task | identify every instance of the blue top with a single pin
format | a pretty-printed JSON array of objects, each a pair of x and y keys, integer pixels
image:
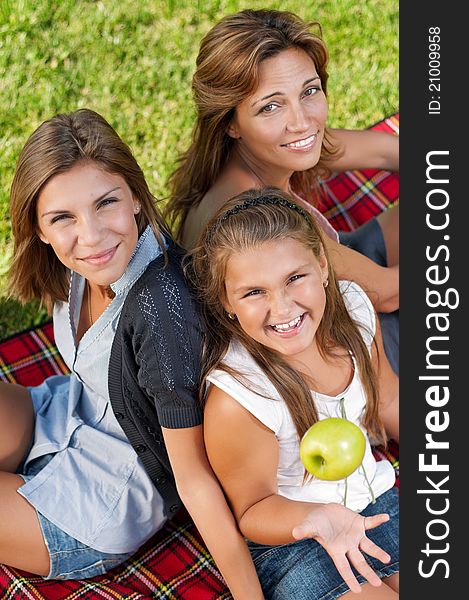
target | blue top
[{"x": 95, "y": 488}]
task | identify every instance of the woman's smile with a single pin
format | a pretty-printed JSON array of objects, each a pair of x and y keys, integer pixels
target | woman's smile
[
  {"x": 302, "y": 145},
  {"x": 101, "y": 258}
]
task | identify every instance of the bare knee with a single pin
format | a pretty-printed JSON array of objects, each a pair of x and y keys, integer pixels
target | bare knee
[
  {"x": 16, "y": 425},
  {"x": 393, "y": 582},
  {"x": 22, "y": 544}
]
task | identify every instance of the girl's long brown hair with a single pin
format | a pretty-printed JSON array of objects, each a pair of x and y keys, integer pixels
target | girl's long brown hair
[
  {"x": 227, "y": 72},
  {"x": 246, "y": 221},
  {"x": 55, "y": 147}
]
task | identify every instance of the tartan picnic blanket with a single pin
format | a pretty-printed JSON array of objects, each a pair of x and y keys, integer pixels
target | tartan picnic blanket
[
  {"x": 175, "y": 563},
  {"x": 351, "y": 198}
]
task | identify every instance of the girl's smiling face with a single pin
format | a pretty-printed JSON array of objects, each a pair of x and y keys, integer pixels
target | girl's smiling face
[
  {"x": 280, "y": 127},
  {"x": 276, "y": 290},
  {"x": 87, "y": 215}
]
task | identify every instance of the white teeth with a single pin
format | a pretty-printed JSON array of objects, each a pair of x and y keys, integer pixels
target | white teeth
[
  {"x": 302, "y": 143},
  {"x": 286, "y": 326}
]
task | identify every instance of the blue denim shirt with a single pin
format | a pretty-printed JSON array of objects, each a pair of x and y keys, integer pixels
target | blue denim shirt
[{"x": 94, "y": 488}]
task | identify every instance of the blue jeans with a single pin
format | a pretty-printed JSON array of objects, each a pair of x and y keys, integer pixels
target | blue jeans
[
  {"x": 304, "y": 571},
  {"x": 69, "y": 558}
]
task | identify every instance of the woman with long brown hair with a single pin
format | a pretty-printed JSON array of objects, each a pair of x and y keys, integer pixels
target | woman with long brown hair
[
  {"x": 288, "y": 345},
  {"x": 260, "y": 92},
  {"x": 94, "y": 463}
]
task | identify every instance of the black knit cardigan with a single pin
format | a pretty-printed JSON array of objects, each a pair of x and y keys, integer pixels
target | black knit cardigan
[{"x": 154, "y": 367}]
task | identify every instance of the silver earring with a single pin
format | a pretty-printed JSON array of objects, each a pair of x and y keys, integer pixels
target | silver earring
[
  {"x": 231, "y": 316},
  {"x": 325, "y": 283},
  {"x": 137, "y": 209}
]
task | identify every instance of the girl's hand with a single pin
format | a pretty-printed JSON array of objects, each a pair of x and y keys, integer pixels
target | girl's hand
[{"x": 341, "y": 532}]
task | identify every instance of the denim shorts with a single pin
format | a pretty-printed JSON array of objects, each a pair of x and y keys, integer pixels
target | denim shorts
[
  {"x": 304, "y": 571},
  {"x": 69, "y": 558},
  {"x": 369, "y": 241}
]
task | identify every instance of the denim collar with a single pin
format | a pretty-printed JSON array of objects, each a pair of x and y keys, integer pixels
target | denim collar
[{"x": 146, "y": 250}]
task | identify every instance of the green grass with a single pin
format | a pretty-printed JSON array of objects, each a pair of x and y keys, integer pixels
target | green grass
[{"x": 132, "y": 61}]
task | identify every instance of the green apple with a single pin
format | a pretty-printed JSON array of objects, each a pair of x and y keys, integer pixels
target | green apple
[{"x": 332, "y": 449}]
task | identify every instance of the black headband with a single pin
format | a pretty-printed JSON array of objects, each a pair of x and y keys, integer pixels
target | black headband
[{"x": 262, "y": 201}]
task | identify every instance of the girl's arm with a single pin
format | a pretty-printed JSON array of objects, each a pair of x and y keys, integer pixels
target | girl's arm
[
  {"x": 244, "y": 456},
  {"x": 380, "y": 283},
  {"x": 366, "y": 149},
  {"x": 388, "y": 383},
  {"x": 200, "y": 492}
]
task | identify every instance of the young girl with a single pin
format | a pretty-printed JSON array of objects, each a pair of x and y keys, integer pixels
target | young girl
[
  {"x": 287, "y": 345},
  {"x": 261, "y": 120},
  {"x": 77, "y": 496}
]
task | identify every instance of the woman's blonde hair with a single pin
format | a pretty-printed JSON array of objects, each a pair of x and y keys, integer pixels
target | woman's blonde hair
[
  {"x": 245, "y": 222},
  {"x": 227, "y": 72},
  {"x": 55, "y": 147}
]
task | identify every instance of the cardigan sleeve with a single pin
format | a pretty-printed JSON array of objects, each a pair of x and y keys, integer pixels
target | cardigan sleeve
[{"x": 167, "y": 342}]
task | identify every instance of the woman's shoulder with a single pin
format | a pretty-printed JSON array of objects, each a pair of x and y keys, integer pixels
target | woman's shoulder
[
  {"x": 162, "y": 292},
  {"x": 166, "y": 267},
  {"x": 228, "y": 184},
  {"x": 160, "y": 318}
]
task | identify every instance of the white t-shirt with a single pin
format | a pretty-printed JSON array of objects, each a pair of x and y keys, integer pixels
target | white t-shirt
[{"x": 273, "y": 412}]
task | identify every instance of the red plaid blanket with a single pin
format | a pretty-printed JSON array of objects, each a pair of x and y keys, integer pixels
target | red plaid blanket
[
  {"x": 175, "y": 563},
  {"x": 351, "y": 198}
]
